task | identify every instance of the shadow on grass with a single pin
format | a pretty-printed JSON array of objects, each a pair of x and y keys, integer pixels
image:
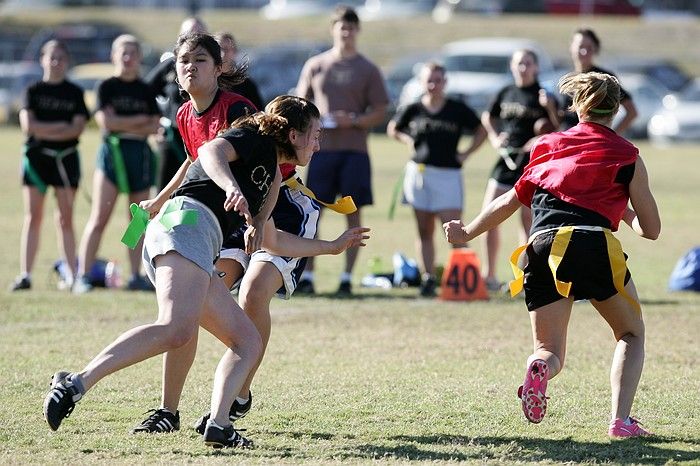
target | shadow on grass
[{"x": 629, "y": 451}]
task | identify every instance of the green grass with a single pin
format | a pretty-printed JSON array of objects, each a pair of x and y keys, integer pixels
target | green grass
[{"x": 384, "y": 377}]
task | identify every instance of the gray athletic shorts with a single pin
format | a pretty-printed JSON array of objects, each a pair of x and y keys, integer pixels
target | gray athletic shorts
[
  {"x": 433, "y": 189},
  {"x": 199, "y": 243}
]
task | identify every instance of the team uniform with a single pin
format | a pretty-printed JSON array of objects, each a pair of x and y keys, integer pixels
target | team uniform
[
  {"x": 295, "y": 213},
  {"x": 578, "y": 197},
  {"x": 52, "y": 163},
  {"x": 517, "y": 109},
  {"x": 433, "y": 178},
  {"x": 257, "y": 160},
  {"x": 570, "y": 118},
  {"x": 354, "y": 84},
  {"x": 127, "y": 160}
]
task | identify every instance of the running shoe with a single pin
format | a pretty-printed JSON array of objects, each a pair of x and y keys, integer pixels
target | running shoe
[
  {"x": 61, "y": 399},
  {"x": 139, "y": 283},
  {"x": 620, "y": 428},
  {"x": 532, "y": 391},
  {"x": 224, "y": 437},
  {"x": 161, "y": 421},
  {"x": 237, "y": 411},
  {"x": 427, "y": 287},
  {"x": 492, "y": 284},
  {"x": 21, "y": 283}
]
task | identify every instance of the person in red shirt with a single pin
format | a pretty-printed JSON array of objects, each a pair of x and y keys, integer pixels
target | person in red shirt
[{"x": 578, "y": 184}]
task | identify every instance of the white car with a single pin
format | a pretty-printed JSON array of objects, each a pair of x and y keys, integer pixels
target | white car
[
  {"x": 679, "y": 120},
  {"x": 647, "y": 96},
  {"x": 478, "y": 68}
]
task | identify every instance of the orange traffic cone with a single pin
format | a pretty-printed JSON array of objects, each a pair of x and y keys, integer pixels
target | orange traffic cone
[{"x": 461, "y": 280}]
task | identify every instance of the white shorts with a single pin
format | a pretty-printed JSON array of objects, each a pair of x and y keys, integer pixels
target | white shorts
[
  {"x": 433, "y": 189},
  {"x": 297, "y": 214}
]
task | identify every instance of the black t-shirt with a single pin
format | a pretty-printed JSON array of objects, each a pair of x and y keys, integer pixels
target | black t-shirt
[
  {"x": 570, "y": 118},
  {"x": 517, "y": 109},
  {"x": 249, "y": 90},
  {"x": 127, "y": 98},
  {"x": 55, "y": 103},
  {"x": 163, "y": 81},
  {"x": 548, "y": 211},
  {"x": 254, "y": 171},
  {"x": 437, "y": 135}
]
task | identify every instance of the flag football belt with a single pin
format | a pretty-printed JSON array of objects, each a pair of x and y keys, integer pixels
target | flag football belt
[
  {"x": 119, "y": 166},
  {"x": 344, "y": 205},
  {"x": 618, "y": 266},
  {"x": 56, "y": 154},
  {"x": 171, "y": 215}
]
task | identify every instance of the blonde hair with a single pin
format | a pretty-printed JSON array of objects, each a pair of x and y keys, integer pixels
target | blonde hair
[
  {"x": 126, "y": 39},
  {"x": 595, "y": 95}
]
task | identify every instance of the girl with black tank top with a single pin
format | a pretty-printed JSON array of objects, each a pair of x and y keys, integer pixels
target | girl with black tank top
[
  {"x": 53, "y": 117},
  {"x": 518, "y": 114}
]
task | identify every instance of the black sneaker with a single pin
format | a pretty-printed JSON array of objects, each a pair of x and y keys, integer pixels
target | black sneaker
[
  {"x": 224, "y": 437},
  {"x": 237, "y": 411},
  {"x": 21, "y": 283},
  {"x": 305, "y": 286},
  {"x": 61, "y": 399},
  {"x": 344, "y": 289},
  {"x": 161, "y": 421},
  {"x": 427, "y": 288}
]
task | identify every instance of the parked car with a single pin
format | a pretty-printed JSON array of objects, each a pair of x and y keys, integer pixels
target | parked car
[
  {"x": 648, "y": 97},
  {"x": 478, "y": 68},
  {"x": 374, "y": 10},
  {"x": 664, "y": 72},
  {"x": 285, "y": 9},
  {"x": 679, "y": 120}
]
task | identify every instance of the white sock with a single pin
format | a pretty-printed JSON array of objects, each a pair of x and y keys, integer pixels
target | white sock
[
  {"x": 26, "y": 275},
  {"x": 307, "y": 275},
  {"x": 345, "y": 277},
  {"x": 242, "y": 401}
]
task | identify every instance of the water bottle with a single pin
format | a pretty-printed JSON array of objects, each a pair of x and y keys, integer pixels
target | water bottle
[
  {"x": 372, "y": 281},
  {"x": 113, "y": 277}
]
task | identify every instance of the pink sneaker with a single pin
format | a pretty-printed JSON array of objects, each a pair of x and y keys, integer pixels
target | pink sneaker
[
  {"x": 532, "y": 391},
  {"x": 619, "y": 429}
]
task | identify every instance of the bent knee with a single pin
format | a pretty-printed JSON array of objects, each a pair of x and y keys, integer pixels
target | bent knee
[{"x": 176, "y": 336}]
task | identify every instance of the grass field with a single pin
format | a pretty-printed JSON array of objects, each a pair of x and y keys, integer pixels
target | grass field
[{"x": 384, "y": 377}]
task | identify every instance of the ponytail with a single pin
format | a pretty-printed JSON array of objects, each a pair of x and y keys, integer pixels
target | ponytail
[{"x": 595, "y": 95}]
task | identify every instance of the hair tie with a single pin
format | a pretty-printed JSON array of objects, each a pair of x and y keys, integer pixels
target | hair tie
[{"x": 601, "y": 111}]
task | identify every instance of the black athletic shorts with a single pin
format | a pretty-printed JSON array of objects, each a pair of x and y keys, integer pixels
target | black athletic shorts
[
  {"x": 46, "y": 168},
  {"x": 585, "y": 264}
]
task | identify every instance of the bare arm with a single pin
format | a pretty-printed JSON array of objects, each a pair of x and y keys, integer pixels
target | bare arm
[
  {"x": 215, "y": 156},
  {"x": 51, "y": 131},
  {"x": 489, "y": 124},
  {"x": 400, "y": 136},
  {"x": 478, "y": 139},
  {"x": 630, "y": 115},
  {"x": 361, "y": 121},
  {"x": 643, "y": 217},
  {"x": 281, "y": 243},
  {"x": 154, "y": 205},
  {"x": 495, "y": 213}
]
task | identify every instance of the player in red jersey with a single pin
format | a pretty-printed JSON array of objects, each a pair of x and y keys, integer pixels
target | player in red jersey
[{"x": 578, "y": 184}]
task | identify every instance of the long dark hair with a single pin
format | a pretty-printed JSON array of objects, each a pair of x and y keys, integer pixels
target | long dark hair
[
  {"x": 283, "y": 114},
  {"x": 227, "y": 80}
]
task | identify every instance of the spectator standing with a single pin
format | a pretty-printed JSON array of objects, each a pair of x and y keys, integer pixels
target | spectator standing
[
  {"x": 350, "y": 94},
  {"x": 585, "y": 45},
  {"x": 53, "y": 117},
  {"x": 127, "y": 114},
  {"x": 519, "y": 113},
  {"x": 432, "y": 128},
  {"x": 229, "y": 55}
]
